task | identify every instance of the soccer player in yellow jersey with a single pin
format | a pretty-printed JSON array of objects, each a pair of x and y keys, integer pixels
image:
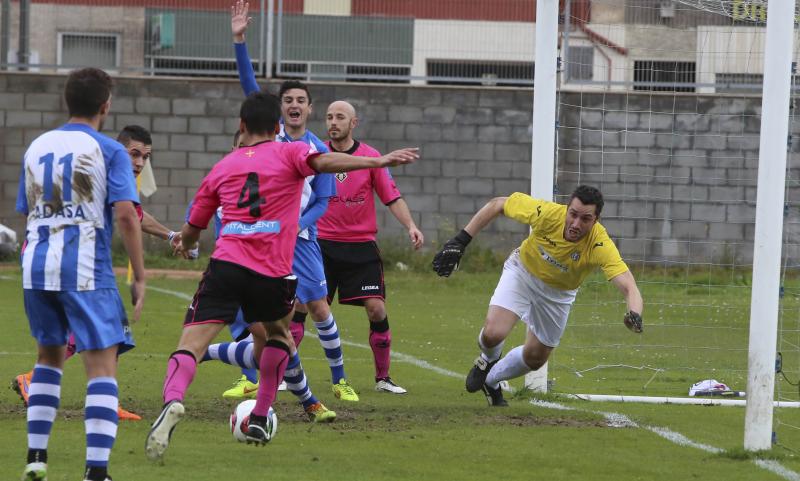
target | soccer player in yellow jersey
[{"x": 540, "y": 280}]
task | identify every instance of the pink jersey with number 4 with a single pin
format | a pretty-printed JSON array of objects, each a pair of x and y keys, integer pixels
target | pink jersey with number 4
[
  {"x": 259, "y": 189},
  {"x": 351, "y": 212}
]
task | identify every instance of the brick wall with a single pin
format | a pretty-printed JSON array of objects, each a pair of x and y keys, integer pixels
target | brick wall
[{"x": 678, "y": 172}]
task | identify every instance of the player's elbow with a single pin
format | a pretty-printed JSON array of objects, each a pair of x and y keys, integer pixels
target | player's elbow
[{"x": 497, "y": 204}]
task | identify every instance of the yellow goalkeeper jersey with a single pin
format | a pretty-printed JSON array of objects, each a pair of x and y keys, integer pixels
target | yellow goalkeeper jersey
[{"x": 551, "y": 258}]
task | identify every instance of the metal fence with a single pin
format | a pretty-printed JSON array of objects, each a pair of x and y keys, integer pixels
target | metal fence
[{"x": 608, "y": 44}]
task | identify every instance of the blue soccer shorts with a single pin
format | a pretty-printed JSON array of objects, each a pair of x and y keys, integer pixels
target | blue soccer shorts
[
  {"x": 97, "y": 318},
  {"x": 310, "y": 271}
]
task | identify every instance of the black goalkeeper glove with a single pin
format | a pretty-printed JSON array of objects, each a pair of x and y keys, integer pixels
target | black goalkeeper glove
[
  {"x": 447, "y": 259},
  {"x": 633, "y": 321}
]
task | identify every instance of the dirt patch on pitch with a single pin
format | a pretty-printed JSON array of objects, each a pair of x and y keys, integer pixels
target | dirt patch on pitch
[{"x": 537, "y": 421}]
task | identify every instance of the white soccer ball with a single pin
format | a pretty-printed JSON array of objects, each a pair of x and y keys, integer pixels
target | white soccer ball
[{"x": 240, "y": 418}]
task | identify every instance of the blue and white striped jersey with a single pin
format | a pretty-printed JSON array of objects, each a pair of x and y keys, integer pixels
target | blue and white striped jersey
[{"x": 70, "y": 179}]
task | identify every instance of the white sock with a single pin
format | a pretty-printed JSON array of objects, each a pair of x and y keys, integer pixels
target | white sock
[
  {"x": 511, "y": 366},
  {"x": 489, "y": 354}
]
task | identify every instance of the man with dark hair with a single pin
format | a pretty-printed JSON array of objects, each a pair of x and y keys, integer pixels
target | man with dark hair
[
  {"x": 296, "y": 106},
  {"x": 258, "y": 186},
  {"x": 74, "y": 182},
  {"x": 138, "y": 143},
  {"x": 353, "y": 264},
  {"x": 540, "y": 280}
]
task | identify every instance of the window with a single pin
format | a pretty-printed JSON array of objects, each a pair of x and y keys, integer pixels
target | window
[
  {"x": 378, "y": 73},
  {"x": 100, "y": 50},
  {"x": 737, "y": 83},
  {"x": 664, "y": 76},
  {"x": 480, "y": 73},
  {"x": 580, "y": 63}
]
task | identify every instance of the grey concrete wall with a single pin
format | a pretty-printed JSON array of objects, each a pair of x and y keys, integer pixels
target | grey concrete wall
[{"x": 679, "y": 172}]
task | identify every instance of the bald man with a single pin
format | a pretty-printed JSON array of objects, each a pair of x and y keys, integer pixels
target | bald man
[{"x": 346, "y": 234}]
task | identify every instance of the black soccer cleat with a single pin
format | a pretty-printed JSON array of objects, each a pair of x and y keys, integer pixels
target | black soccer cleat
[
  {"x": 477, "y": 375},
  {"x": 494, "y": 396},
  {"x": 258, "y": 430}
]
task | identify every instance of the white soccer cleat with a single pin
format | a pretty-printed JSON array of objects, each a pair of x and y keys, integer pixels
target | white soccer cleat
[
  {"x": 158, "y": 438},
  {"x": 387, "y": 385}
]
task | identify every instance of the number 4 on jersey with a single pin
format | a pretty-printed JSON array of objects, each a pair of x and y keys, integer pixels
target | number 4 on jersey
[{"x": 250, "y": 195}]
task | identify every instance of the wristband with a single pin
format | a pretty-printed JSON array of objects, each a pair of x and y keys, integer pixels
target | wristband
[
  {"x": 463, "y": 237},
  {"x": 171, "y": 236}
]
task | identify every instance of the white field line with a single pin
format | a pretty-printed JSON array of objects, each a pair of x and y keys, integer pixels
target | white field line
[
  {"x": 613, "y": 419},
  {"x": 618, "y": 420}
]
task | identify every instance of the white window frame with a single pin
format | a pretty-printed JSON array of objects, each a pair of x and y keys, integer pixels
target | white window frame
[{"x": 117, "y": 47}]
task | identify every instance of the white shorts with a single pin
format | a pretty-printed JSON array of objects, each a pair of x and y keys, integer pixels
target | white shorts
[{"x": 543, "y": 308}]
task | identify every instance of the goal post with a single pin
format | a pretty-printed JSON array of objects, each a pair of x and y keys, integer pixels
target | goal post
[
  {"x": 544, "y": 126},
  {"x": 771, "y": 186}
]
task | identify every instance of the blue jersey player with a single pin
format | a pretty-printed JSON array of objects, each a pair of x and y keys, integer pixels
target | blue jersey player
[
  {"x": 296, "y": 106},
  {"x": 71, "y": 178}
]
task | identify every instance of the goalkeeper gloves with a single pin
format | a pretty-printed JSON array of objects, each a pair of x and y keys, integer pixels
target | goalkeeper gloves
[
  {"x": 633, "y": 321},
  {"x": 447, "y": 259}
]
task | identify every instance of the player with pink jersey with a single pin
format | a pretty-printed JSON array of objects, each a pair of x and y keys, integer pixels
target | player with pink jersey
[
  {"x": 258, "y": 186},
  {"x": 346, "y": 235}
]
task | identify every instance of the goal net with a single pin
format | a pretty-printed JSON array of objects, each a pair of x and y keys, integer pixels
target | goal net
[{"x": 660, "y": 107}]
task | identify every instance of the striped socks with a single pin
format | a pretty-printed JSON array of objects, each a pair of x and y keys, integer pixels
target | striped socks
[
  {"x": 44, "y": 398},
  {"x": 102, "y": 401},
  {"x": 332, "y": 345},
  {"x": 297, "y": 382}
]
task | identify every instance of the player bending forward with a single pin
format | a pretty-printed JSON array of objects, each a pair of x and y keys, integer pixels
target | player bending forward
[
  {"x": 540, "y": 280},
  {"x": 259, "y": 187}
]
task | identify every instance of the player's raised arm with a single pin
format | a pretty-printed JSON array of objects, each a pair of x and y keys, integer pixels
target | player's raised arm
[
  {"x": 239, "y": 22},
  {"x": 339, "y": 162},
  {"x": 448, "y": 258},
  {"x": 627, "y": 286}
]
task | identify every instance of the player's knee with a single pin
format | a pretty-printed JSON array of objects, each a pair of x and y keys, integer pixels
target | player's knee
[
  {"x": 533, "y": 359},
  {"x": 376, "y": 311},
  {"x": 319, "y": 309},
  {"x": 492, "y": 336}
]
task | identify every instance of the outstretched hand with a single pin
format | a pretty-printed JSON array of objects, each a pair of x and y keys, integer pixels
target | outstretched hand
[
  {"x": 633, "y": 321},
  {"x": 449, "y": 257},
  {"x": 400, "y": 157},
  {"x": 240, "y": 20}
]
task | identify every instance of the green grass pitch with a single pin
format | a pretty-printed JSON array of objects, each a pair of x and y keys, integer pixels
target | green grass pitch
[{"x": 437, "y": 430}]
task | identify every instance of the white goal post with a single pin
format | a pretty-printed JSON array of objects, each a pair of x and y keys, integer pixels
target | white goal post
[{"x": 770, "y": 189}]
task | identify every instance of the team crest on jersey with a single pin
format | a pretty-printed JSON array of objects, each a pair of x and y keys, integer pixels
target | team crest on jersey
[
  {"x": 341, "y": 176},
  {"x": 575, "y": 256}
]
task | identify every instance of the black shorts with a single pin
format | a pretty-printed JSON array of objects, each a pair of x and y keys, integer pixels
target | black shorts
[
  {"x": 227, "y": 287},
  {"x": 354, "y": 269}
]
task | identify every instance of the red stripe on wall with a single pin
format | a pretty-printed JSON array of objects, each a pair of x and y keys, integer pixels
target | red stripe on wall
[
  {"x": 289, "y": 6},
  {"x": 494, "y": 10}
]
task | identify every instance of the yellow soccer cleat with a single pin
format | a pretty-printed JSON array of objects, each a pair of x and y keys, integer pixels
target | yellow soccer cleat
[
  {"x": 318, "y": 413},
  {"x": 344, "y": 391},
  {"x": 242, "y": 389}
]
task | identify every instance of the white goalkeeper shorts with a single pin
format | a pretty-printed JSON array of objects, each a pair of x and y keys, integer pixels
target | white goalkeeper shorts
[{"x": 543, "y": 308}]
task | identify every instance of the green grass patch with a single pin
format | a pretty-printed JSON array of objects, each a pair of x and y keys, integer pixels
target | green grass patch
[{"x": 437, "y": 430}]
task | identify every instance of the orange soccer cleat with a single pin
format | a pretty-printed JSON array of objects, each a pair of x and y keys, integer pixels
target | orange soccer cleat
[
  {"x": 127, "y": 415},
  {"x": 20, "y": 385}
]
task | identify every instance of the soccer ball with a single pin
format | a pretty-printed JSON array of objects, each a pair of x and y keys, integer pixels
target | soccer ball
[{"x": 240, "y": 418}]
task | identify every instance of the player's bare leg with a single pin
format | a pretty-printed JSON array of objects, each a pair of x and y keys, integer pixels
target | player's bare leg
[
  {"x": 181, "y": 368},
  {"x": 498, "y": 325}
]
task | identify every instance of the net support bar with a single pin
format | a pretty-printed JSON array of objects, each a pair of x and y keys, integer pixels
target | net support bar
[
  {"x": 764, "y": 301},
  {"x": 695, "y": 401},
  {"x": 544, "y": 125}
]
